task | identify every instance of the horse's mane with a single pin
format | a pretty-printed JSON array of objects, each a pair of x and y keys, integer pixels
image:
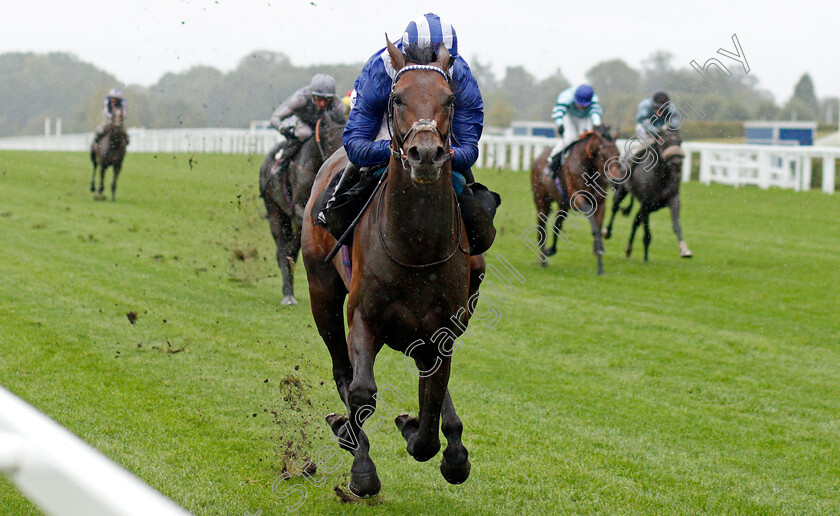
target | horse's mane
[{"x": 420, "y": 54}]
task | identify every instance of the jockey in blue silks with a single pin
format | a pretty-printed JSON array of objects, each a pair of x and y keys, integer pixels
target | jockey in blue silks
[{"x": 366, "y": 136}]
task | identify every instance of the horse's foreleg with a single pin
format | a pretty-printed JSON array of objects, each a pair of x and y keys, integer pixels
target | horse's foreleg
[
  {"x": 422, "y": 433},
  {"x": 288, "y": 245},
  {"x": 636, "y": 222},
  {"x": 595, "y": 221},
  {"x": 455, "y": 465},
  {"x": 618, "y": 196},
  {"x": 362, "y": 403},
  {"x": 543, "y": 207},
  {"x": 648, "y": 237},
  {"x": 101, "y": 178},
  {"x": 478, "y": 266},
  {"x": 674, "y": 206},
  {"x": 93, "y": 175},
  {"x": 117, "y": 167}
]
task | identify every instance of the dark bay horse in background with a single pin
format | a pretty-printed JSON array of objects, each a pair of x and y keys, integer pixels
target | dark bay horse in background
[
  {"x": 409, "y": 276},
  {"x": 109, "y": 151},
  {"x": 285, "y": 197},
  {"x": 582, "y": 184},
  {"x": 655, "y": 181}
]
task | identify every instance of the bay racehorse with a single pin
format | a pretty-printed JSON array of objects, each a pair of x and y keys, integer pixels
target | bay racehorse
[
  {"x": 582, "y": 184},
  {"x": 109, "y": 151},
  {"x": 408, "y": 275},
  {"x": 285, "y": 194},
  {"x": 655, "y": 181}
]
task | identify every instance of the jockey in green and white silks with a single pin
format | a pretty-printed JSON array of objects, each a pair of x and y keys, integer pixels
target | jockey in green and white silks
[{"x": 577, "y": 112}]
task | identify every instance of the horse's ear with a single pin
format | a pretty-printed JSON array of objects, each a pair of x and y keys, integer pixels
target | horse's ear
[
  {"x": 397, "y": 57},
  {"x": 443, "y": 60}
]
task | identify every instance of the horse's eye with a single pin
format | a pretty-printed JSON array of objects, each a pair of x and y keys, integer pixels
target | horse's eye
[
  {"x": 449, "y": 102},
  {"x": 397, "y": 101}
]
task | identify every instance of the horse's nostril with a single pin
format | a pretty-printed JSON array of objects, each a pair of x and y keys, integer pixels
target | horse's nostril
[
  {"x": 413, "y": 155},
  {"x": 440, "y": 155}
]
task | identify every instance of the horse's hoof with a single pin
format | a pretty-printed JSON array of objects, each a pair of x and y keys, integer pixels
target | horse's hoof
[
  {"x": 365, "y": 484},
  {"x": 549, "y": 252},
  {"x": 601, "y": 272},
  {"x": 455, "y": 474},
  {"x": 407, "y": 425},
  {"x": 543, "y": 264},
  {"x": 606, "y": 234},
  {"x": 627, "y": 252},
  {"x": 289, "y": 300},
  {"x": 686, "y": 254}
]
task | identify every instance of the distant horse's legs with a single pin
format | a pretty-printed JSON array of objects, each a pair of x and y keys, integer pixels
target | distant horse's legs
[
  {"x": 543, "y": 207},
  {"x": 455, "y": 465},
  {"x": 618, "y": 196},
  {"x": 636, "y": 222},
  {"x": 674, "y": 206},
  {"x": 595, "y": 221},
  {"x": 117, "y": 167},
  {"x": 648, "y": 237},
  {"x": 363, "y": 478},
  {"x": 288, "y": 245},
  {"x": 93, "y": 175},
  {"x": 101, "y": 179}
]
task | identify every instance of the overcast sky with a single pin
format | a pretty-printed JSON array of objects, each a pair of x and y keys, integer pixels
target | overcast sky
[{"x": 139, "y": 41}]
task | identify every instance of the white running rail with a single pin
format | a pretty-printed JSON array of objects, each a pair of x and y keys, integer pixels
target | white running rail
[
  {"x": 733, "y": 164},
  {"x": 63, "y": 475}
]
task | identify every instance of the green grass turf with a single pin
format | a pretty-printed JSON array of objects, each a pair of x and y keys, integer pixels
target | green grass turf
[{"x": 708, "y": 385}]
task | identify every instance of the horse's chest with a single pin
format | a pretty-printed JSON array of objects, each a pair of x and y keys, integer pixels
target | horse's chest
[{"x": 411, "y": 307}]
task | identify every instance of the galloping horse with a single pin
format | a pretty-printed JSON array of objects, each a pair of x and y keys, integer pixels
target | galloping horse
[
  {"x": 409, "y": 276},
  {"x": 655, "y": 182},
  {"x": 285, "y": 197},
  {"x": 582, "y": 185},
  {"x": 109, "y": 151}
]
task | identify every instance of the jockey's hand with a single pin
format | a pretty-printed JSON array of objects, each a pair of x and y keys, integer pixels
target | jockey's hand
[{"x": 560, "y": 129}]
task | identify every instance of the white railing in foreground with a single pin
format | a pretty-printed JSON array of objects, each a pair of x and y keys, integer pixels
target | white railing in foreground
[
  {"x": 63, "y": 475},
  {"x": 733, "y": 164},
  {"x": 224, "y": 141}
]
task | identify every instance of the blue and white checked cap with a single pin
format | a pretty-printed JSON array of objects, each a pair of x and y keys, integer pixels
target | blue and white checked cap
[{"x": 429, "y": 29}]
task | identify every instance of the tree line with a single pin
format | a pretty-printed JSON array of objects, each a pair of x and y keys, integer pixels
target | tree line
[{"x": 34, "y": 86}]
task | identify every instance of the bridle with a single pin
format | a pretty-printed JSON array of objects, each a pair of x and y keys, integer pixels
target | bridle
[{"x": 398, "y": 140}]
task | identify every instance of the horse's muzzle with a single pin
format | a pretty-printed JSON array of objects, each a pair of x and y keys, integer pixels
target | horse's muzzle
[{"x": 426, "y": 162}]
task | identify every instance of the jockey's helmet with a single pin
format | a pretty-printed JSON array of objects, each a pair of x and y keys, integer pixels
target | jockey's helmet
[
  {"x": 322, "y": 85},
  {"x": 660, "y": 98},
  {"x": 583, "y": 95},
  {"x": 115, "y": 93},
  {"x": 430, "y": 29}
]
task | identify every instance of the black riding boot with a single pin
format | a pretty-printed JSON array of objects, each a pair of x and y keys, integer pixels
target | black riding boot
[
  {"x": 555, "y": 163},
  {"x": 293, "y": 145},
  {"x": 349, "y": 177},
  {"x": 478, "y": 207}
]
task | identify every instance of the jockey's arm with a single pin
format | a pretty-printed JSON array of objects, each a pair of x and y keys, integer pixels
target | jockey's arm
[
  {"x": 296, "y": 101},
  {"x": 468, "y": 120},
  {"x": 595, "y": 112},
  {"x": 373, "y": 86}
]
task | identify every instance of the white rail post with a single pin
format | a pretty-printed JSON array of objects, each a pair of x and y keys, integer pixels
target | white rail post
[
  {"x": 828, "y": 173},
  {"x": 805, "y": 184},
  {"x": 686, "y": 167}
]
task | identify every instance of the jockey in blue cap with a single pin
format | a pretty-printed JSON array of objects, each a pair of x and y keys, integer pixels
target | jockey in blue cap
[
  {"x": 366, "y": 136},
  {"x": 113, "y": 100},
  {"x": 577, "y": 112}
]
